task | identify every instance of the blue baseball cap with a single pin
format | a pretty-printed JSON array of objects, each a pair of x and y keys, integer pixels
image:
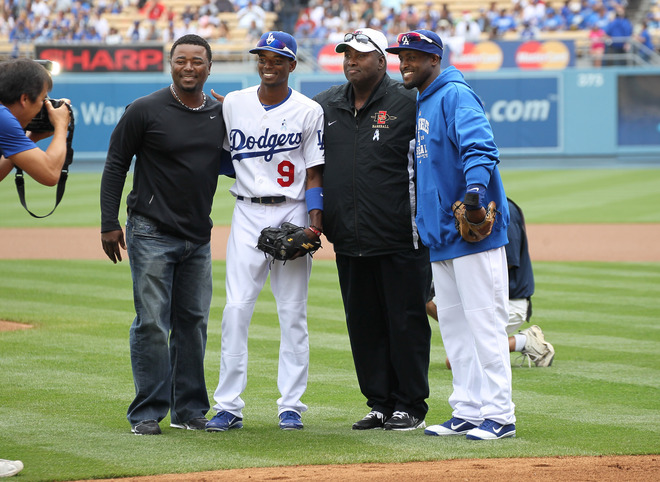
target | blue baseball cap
[
  {"x": 421, "y": 40},
  {"x": 279, "y": 42}
]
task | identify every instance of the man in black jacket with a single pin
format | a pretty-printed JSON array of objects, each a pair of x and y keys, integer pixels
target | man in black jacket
[{"x": 369, "y": 202}]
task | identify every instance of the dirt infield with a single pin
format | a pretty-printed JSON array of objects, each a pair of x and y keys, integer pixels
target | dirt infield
[{"x": 547, "y": 243}]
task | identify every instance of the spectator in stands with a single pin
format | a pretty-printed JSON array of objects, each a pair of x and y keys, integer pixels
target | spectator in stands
[
  {"x": 251, "y": 12},
  {"x": 598, "y": 16},
  {"x": 222, "y": 32},
  {"x": 468, "y": 29},
  {"x": 188, "y": 27},
  {"x": 288, "y": 15},
  {"x": 567, "y": 13},
  {"x": 446, "y": 14},
  {"x": 619, "y": 31},
  {"x": 153, "y": 32},
  {"x": 188, "y": 13},
  {"x": 529, "y": 32},
  {"x": 504, "y": 22},
  {"x": 136, "y": 32},
  {"x": 208, "y": 8},
  {"x": 90, "y": 35},
  {"x": 597, "y": 45},
  {"x": 20, "y": 33},
  {"x": 533, "y": 12},
  {"x": 40, "y": 9},
  {"x": 553, "y": 21},
  {"x": 225, "y": 6},
  {"x": 100, "y": 24},
  {"x": 155, "y": 10},
  {"x": 644, "y": 38},
  {"x": 253, "y": 33},
  {"x": 169, "y": 34},
  {"x": 429, "y": 18},
  {"x": 411, "y": 17},
  {"x": 304, "y": 27},
  {"x": 113, "y": 37}
]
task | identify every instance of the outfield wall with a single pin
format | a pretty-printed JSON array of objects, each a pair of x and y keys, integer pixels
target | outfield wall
[{"x": 542, "y": 117}]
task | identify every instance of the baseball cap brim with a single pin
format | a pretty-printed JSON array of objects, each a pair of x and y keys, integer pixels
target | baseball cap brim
[
  {"x": 359, "y": 46},
  {"x": 396, "y": 50},
  {"x": 271, "y": 49}
]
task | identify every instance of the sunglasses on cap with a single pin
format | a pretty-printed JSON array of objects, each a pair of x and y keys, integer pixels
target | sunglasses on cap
[
  {"x": 363, "y": 39},
  {"x": 407, "y": 38},
  {"x": 275, "y": 44}
]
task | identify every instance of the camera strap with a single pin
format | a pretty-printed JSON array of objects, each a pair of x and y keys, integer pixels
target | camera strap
[{"x": 64, "y": 175}]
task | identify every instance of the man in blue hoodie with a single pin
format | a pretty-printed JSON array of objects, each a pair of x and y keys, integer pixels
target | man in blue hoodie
[{"x": 456, "y": 156}]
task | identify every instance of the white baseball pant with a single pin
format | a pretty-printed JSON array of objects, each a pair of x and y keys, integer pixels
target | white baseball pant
[
  {"x": 471, "y": 293},
  {"x": 247, "y": 271}
]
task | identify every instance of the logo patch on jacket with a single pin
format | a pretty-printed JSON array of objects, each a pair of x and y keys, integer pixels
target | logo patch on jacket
[{"x": 381, "y": 118}]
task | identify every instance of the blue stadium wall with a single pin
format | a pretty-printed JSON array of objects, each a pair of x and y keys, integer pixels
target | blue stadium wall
[{"x": 540, "y": 118}]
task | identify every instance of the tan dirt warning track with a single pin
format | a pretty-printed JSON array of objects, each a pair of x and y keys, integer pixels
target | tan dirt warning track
[{"x": 548, "y": 242}]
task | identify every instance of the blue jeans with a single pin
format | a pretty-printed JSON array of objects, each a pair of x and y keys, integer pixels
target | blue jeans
[{"x": 172, "y": 286}]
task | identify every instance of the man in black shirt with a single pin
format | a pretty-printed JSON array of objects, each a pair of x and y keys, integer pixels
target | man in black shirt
[
  {"x": 369, "y": 201},
  {"x": 176, "y": 137}
]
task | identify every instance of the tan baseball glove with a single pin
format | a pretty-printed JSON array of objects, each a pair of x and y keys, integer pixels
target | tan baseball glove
[{"x": 473, "y": 232}]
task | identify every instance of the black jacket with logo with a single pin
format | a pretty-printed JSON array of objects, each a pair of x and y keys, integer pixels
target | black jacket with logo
[{"x": 368, "y": 181}]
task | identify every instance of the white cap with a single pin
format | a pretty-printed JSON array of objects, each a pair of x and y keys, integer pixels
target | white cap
[{"x": 377, "y": 39}]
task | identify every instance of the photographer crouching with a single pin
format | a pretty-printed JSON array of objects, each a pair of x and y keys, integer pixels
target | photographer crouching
[{"x": 24, "y": 87}]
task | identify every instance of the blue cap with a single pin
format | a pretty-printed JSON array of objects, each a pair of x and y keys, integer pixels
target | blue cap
[
  {"x": 421, "y": 40},
  {"x": 279, "y": 42}
]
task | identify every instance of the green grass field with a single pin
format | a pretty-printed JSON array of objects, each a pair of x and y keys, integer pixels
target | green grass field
[
  {"x": 547, "y": 196},
  {"x": 67, "y": 382}
]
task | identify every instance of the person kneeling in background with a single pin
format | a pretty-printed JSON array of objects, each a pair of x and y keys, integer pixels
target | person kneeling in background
[{"x": 530, "y": 342}]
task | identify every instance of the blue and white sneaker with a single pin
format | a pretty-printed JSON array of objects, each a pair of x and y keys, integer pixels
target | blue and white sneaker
[
  {"x": 290, "y": 420},
  {"x": 453, "y": 426},
  {"x": 491, "y": 430},
  {"x": 223, "y": 421}
]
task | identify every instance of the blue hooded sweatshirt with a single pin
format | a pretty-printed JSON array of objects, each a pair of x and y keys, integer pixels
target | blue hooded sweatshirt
[{"x": 455, "y": 148}]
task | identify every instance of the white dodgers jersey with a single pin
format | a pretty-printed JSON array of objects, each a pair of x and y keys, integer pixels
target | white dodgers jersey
[{"x": 272, "y": 147}]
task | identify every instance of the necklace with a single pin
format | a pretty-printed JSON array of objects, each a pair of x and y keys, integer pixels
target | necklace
[{"x": 181, "y": 102}]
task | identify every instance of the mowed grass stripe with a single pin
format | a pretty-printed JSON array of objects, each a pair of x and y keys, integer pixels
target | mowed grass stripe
[{"x": 547, "y": 196}]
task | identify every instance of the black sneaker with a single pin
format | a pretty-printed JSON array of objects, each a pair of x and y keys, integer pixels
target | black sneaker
[
  {"x": 193, "y": 424},
  {"x": 373, "y": 419},
  {"x": 146, "y": 427},
  {"x": 404, "y": 421}
]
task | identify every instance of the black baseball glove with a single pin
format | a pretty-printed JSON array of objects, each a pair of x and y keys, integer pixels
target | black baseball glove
[{"x": 287, "y": 242}]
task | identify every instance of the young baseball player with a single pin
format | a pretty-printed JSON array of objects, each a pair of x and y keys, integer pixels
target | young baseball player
[
  {"x": 275, "y": 138},
  {"x": 456, "y": 159}
]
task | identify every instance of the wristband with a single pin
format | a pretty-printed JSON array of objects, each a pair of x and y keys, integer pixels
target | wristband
[
  {"x": 314, "y": 198},
  {"x": 474, "y": 197},
  {"x": 316, "y": 231}
]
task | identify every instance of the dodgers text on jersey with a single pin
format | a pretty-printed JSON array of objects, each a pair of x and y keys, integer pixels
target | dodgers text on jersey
[{"x": 267, "y": 144}]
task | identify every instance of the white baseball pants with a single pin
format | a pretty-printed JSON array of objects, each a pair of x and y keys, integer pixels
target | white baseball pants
[
  {"x": 247, "y": 271},
  {"x": 471, "y": 293}
]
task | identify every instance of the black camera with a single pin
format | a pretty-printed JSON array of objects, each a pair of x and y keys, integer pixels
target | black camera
[{"x": 41, "y": 123}]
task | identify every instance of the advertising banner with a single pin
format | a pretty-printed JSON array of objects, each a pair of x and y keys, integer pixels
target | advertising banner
[
  {"x": 98, "y": 106},
  {"x": 524, "y": 113},
  {"x": 482, "y": 56},
  {"x": 104, "y": 58}
]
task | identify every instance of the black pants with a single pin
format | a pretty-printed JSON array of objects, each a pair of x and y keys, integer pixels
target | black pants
[{"x": 385, "y": 304}]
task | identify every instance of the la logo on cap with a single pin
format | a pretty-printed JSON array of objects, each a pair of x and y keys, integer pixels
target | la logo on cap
[
  {"x": 404, "y": 40},
  {"x": 270, "y": 38}
]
